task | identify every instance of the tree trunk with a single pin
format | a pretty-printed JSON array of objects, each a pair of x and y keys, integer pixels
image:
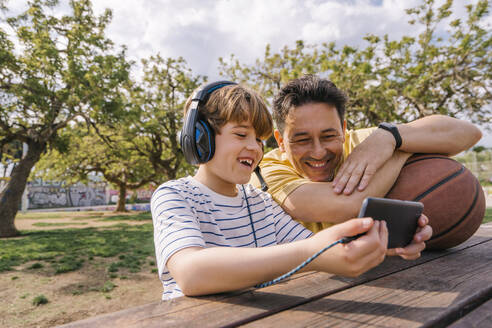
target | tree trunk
[
  {"x": 11, "y": 196},
  {"x": 120, "y": 207}
]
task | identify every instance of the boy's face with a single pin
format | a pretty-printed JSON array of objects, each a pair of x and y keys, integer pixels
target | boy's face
[
  {"x": 313, "y": 140},
  {"x": 237, "y": 152}
]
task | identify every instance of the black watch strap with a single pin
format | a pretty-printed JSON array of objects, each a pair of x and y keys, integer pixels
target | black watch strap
[{"x": 393, "y": 130}]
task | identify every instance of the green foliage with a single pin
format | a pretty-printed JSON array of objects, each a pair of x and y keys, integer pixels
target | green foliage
[
  {"x": 488, "y": 215},
  {"x": 394, "y": 80},
  {"x": 156, "y": 110},
  {"x": 67, "y": 249},
  {"x": 68, "y": 263},
  {"x": 57, "y": 224},
  {"x": 39, "y": 300},
  {"x": 108, "y": 286},
  {"x": 144, "y": 216},
  {"x": 54, "y": 70},
  {"x": 36, "y": 265}
]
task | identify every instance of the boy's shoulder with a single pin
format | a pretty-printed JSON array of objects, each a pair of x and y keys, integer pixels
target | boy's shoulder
[
  {"x": 253, "y": 191},
  {"x": 181, "y": 185}
]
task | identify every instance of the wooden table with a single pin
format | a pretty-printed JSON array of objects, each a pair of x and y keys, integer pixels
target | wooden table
[{"x": 440, "y": 289}]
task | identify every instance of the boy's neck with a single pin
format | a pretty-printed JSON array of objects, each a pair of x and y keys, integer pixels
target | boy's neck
[{"x": 215, "y": 183}]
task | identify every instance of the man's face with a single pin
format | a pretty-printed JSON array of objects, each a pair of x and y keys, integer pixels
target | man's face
[{"x": 313, "y": 140}]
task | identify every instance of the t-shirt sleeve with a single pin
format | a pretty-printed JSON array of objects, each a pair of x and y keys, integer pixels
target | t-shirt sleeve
[
  {"x": 281, "y": 178},
  {"x": 175, "y": 225}
]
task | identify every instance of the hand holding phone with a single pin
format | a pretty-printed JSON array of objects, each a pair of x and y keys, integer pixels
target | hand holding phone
[{"x": 401, "y": 218}]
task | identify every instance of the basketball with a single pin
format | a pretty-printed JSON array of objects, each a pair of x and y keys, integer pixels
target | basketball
[{"x": 453, "y": 199}]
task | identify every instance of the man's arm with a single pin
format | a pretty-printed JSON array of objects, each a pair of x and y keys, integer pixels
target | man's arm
[
  {"x": 200, "y": 271},
  {"x": 317, "y": 201},
  {"x": 432, "y": 134}
]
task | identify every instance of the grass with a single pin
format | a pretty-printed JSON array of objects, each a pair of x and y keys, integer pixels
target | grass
[
  {"x": 39, "y": 300},
  {"x": 120, "y": 248},
  {"x": 144, "y": 216},
  {"x": 57, "y": 215},
  {"x": 488, "y": 215},
  {"x": 58, "y": 224}
]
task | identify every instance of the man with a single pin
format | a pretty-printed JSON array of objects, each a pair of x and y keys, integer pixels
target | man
[{"x": 321, "y": 172}]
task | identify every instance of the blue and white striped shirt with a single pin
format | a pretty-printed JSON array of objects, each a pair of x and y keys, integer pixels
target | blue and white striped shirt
[{"x": 186, "y": 213}]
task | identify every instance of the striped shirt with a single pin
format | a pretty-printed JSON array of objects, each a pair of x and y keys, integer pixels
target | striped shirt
[{"x": 186, "y": 213}]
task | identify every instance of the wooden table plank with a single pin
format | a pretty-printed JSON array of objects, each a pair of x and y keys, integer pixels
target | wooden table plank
[
  {"x": 248, "y": 305},
  {"x": 428, "y": 295},
  {"x": 481, "y": 317}
]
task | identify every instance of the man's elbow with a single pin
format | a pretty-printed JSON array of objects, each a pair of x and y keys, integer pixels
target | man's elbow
[{"x": 476, "y": 135}]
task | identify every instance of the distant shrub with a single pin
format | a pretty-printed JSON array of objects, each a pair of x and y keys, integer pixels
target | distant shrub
[{"x": 40, "y": 299}]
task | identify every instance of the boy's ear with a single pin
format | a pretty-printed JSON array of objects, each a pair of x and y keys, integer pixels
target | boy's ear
[{"x": 279, "y": 139}]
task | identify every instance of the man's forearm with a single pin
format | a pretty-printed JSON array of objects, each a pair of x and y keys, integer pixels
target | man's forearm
[
  {"x": 438, "y": 134},
  {"x": 317, "y": 202}
]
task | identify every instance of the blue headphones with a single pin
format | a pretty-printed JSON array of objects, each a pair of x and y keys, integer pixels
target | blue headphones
[{"x": 197, "y": 139}]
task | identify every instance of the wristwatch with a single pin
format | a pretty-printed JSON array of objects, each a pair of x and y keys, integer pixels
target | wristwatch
[{"x": 393, "y": 130}]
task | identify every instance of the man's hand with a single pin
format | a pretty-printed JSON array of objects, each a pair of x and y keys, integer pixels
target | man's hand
[
  {"x": 364, "y": 161},
  {"x": 412, "y": 251}
]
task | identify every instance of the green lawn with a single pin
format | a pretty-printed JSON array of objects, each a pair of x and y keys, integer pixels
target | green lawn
[
  {"x": 121, "y": 248},
  {"x": 488, "y": 215}
]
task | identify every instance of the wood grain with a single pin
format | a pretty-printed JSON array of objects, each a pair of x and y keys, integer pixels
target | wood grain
[
  {"x": 428, "y": 295},
  {"x": 244, "y": 306}
]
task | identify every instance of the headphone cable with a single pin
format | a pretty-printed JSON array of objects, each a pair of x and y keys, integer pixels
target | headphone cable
[{"x": 343, "y": 240}]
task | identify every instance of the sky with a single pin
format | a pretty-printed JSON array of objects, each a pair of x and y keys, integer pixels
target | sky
[{"x": 201, "y": 31}]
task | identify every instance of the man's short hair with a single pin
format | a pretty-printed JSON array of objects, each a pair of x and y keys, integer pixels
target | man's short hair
[
  {"x": 305, "y": 90},
  {"x": 236, "y": 103}
]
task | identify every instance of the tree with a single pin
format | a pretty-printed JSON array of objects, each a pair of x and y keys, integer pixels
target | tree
[
  {"x": 142, "y": 146},
  {"x": 398, "y": 80},
  {"x": 63, "y": 70},
  {"x": 113, "y": 157},
  {"x": 157, "y": 104}
]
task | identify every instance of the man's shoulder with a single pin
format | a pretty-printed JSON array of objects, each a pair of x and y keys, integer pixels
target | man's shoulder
[{"x": 274, "y": 155}]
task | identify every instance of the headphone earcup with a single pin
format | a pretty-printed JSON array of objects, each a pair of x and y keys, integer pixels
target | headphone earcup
[{"x": 204, "y": 141}]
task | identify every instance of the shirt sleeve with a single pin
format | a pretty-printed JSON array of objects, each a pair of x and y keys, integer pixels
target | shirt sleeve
[
  {"x": 175, "y": 225},
  {"x": 280, "y": 176}
]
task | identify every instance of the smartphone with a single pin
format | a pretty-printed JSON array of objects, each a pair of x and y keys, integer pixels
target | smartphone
[{"x": 401, "y": 217}]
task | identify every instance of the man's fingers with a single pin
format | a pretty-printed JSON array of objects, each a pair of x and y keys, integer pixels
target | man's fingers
[
  {"x": 343, "y": 178},
  {"x": 411, "y": 251},
  {"x": 354, "y": 179},
  {"x": 423, "y": 220},
  {"x": 424, "y": 234},
  {"x": 366, "y": 178}
]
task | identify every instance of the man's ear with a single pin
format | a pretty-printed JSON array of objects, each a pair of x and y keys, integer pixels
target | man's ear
[{"x": 279, "y": 139}]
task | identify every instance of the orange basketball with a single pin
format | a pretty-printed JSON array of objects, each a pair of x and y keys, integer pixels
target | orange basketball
[{"x": 453, "y": 199}]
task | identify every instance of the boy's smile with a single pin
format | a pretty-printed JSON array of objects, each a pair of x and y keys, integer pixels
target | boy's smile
[{"x": 237, "y": 152}]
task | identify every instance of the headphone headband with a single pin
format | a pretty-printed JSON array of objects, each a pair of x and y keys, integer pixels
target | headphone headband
[{"x": 197, "y": 136}]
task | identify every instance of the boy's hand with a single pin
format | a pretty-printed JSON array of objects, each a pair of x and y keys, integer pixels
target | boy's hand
[
  {"x": 412, "y": 251},
  {"x": 356, "y": 257}
]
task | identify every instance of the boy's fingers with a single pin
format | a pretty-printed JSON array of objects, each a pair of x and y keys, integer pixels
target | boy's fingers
[
  {"x": 354, "y": 227},
  {"x": 383, "y": 233}
]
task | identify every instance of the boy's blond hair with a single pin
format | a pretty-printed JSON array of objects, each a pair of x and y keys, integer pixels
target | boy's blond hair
[{"x": 236, "y": 103}]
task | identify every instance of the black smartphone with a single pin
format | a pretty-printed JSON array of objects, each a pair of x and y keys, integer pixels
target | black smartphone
[{"x": 401, "y": 217}]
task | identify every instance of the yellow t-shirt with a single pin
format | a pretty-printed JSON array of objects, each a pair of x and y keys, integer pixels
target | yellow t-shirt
[{"x": 282, "y": 178}]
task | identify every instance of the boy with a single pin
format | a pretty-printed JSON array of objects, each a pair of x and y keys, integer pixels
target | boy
[{"x": 214, "y": 233}]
